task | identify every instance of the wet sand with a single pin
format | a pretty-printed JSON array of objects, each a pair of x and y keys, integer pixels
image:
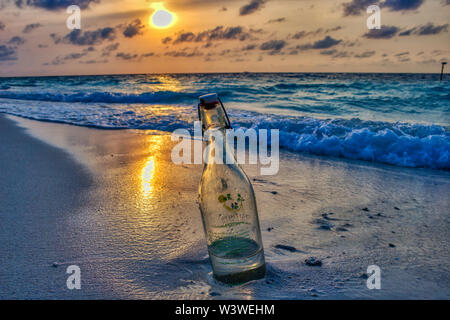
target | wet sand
[{"x": 113, "y": 203}]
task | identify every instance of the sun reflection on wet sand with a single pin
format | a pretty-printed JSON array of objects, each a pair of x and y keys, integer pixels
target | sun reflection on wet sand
[
  {"x": 147, "y": 176},
  {"x": 151, "y": 170}
]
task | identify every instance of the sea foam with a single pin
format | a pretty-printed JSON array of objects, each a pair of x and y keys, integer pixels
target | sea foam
[{"x": 401, "y": 144}]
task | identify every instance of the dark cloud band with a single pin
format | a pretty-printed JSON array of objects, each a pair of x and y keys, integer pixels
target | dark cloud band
[
  {"x": 216, "y": 34},
  {"x": 30, "y": 27},
  {"x": 86, "y": 38},
  {"x": 425, "y": 30},
  {"x": 385, "y": 32},
  {"x": 251, "y": 7},
  {"x": 54, "y": 5},
  {"x": 357, "y": 7}
]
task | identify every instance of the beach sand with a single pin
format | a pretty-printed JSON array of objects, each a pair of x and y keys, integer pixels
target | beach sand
[{"x": 113, "y": 203}]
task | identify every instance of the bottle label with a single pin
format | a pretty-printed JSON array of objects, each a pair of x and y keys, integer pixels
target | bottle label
[
  {"x": 230, "y": 203},
  {"x": 236, "y": 223}
]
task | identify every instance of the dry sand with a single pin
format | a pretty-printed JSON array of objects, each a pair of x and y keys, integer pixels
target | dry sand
[{"x": 113, "y": 203}]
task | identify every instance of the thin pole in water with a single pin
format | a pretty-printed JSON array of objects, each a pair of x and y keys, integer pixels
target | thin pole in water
[{"x": 442, "y": 69}]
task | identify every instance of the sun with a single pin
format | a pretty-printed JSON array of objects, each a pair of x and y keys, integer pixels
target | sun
[{"x": 161, "y": 17}]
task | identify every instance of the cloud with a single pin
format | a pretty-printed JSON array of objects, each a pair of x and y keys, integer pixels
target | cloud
[
  {"x": 94, "y": 61},
  {"x": 342, "y": 54},
  {"x": 86, "y": 38},
  {"x": 366, "y": 54},
  {"x": 54, "y": 5},
  {"x": 333, "y": 29},
  {"x": 30, "y": 27},
  {"x": 2, "y": 26},
  {"x": 430, "y": 29},
  {"x": 336, "y": 54},
  {"x": 429, "y": 61},
  {"x": 184, "y": 53},
  {"x": 133, "y": 29},
  {"x": 386, "y": 32},
  {"x": 293, "y": 52},
  {"x": 437, "y": 52},
  {"x": 274, "y": 46},
  {"x": 225, "y": 52},
  {"x": 425, "y": 30},
  {"x": 279, "y": 20},
  {"x": 249, "y": 47},
  {"x": 184, "y": 37},
  {"x": 231, "y": 33},
  {"x": 16, "y": 40},
  {"x": 356, "y": 7},
  {"x": 350, "y": 43},
  {"x": 74, "y": 56},
  {"x": 251, "y": 7},
  {"x": 329, "y": 52},
  {"x": 407, "y": 32},
  {"x": 304, "y": 34},
  {"x": 134, "y": 56},
  {"x": 325, "y": 43},
  {"x": 216, "y": 34},
  {"x": 402, "y": 5},
  {"x": 126, "y": 56},
  {"x": 166, "y": 40},
  {"x": 110, "y": 48},
  {"x": 71, "y": 56},
  {"x": 8, "y": 53},
  {"x": 148, "y": 54}
]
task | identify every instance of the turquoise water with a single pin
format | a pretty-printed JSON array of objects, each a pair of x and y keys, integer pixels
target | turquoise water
[{"x": 398, "y": 119}]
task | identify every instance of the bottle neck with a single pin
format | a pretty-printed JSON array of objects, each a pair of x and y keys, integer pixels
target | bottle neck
[
  {"x": 214, "y": 124},
  {"x": 217, "y": 149},
  {"x": 213, "y": 118}
]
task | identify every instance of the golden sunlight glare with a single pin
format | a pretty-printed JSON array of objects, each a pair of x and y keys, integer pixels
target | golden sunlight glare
[
  {"x": 148, "y": 175},
  {"x": 161, "y": 17}
]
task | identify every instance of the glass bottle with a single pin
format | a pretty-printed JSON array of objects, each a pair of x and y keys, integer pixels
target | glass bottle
[{"x": 227, "y": 203}]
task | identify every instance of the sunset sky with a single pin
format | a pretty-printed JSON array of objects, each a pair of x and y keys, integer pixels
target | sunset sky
[{"x": 222, "y": 36}]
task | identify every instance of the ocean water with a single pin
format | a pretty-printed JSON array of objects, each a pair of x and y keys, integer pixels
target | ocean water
[{"x": 397, "y": 119}]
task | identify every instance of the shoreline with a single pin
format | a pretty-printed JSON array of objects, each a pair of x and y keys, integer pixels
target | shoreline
[{"x": 137, "y": 233}]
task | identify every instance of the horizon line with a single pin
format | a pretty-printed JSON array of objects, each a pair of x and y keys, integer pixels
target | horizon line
[{"x": 198, "y": 73}]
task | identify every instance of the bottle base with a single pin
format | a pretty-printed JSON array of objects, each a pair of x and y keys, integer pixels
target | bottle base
[
  {"x": 242, "y": 277},
  {"x": 236, "y": 260}
]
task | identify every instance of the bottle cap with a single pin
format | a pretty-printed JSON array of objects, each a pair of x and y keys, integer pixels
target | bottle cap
[{"x": 209, "y": 100}]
